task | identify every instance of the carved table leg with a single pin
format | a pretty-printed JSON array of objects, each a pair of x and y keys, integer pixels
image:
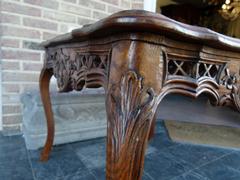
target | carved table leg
[
  {"x": 130, "y": 110},
  {"x": 44, "y": 81}
]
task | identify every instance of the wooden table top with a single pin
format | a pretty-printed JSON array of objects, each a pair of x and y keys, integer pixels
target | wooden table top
[{"x": 143, "y": 21}]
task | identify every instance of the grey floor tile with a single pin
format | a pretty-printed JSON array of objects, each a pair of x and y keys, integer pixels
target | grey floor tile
[
  {"x": 63, "y": 162},
  {"x": 16, "y": 153},
  {"x": 162, "y": 165},
  {"x": 99, "y": 173},
  {"x": 46, "y": 170},
  {"x": 70, "y": 163},
  {"x": 146, "y": 176},
  {"x": 3, "y": 139},
  {"x": 16, "y": 170},
  {"x": 80, "y": 176},
  {"x": 12, "y": 148},
  {"x": 160, "y": 127},
  {"x": 161, "y": 140},
  {"x": 232, "y": 160},
  {"x": 195, "y": 155},
  {"x": 150, "y": 150},
  {"x": 92, "y": 154},
  {"x": 14, "y": 163},
  {"x": 226, "y": 168},
  {"x": 191, "y": 176},
  {"x": 86, "y": 160}
]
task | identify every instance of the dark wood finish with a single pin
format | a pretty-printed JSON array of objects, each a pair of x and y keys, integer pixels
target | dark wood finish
[
  {"x": 140, "y": 57},
  {"x": 44, "y": 80}
]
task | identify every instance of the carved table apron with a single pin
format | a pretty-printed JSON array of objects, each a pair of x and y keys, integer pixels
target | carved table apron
[{"x": 139, "y": 57}]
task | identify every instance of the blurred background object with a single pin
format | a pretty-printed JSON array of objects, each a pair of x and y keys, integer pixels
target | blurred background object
[{"x": 222, "y": 16}]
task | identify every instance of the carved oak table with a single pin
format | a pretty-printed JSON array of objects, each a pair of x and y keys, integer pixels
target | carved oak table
[{"x": 139, "y": 57}]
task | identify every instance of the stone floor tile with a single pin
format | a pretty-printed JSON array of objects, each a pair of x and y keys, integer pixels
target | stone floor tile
[
  {"x": 161, "y": 140},
  {"x": 164, "y": 160},
  {"x": 93, "y": 155},
  {"x": 8, "y": 153},
  {"x": 80, "y": 176},
  {"x": 70, "y": 163},
  {"x": 219, "y": 171},
  {"x": 3, "y": 139},
  {"x": 15, "y": 170},
  {"x": 162, "y": 165},
  {"x": 146, "y": 176},
  {"x": 63, "y": 162},
  {"x": 99, "y": 173},
  {"x": 46, "y": 170},
  {"x": 195, "y": 155},
  {"x": 160, "y": 127},
  {"x": 12, "y": 149},
  {"x": 150, "y": 150},
  {"x": 223, "y": 168},
  {"x": 191, "y": 176},
  {"x": 232, "y": 160}
]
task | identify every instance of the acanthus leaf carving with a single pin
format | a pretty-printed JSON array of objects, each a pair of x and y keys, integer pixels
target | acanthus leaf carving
[
  {"x": 61, "y": 65},
  {"x": 129, "y": 119},
  {"x": 228, "y": 80},
  {"x": 231, "y": 82}
]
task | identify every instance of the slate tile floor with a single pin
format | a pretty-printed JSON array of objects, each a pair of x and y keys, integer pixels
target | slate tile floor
[{"x": 165, "y": 160}]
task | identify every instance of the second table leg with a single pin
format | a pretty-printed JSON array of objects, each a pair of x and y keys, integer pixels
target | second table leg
[{"x": 44, "y": 81}]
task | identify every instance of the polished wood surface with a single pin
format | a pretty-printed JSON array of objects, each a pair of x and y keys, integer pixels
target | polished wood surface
[
  {"x": 139, "y": 57},
  {"x": 44, "y": 80}
]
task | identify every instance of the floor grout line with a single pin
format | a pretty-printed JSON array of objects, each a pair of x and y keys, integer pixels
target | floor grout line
[
  {"x": 205, "y": 164},
  {"x": 30, "y": 163},
  {"x": 148, "y": 175},
  {"x": 73, "y": 149}
]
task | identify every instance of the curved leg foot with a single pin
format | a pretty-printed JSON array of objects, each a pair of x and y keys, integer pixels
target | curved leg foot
[
  {"x": 130, "y": 110},
  {"x": 44, "y": 81}
]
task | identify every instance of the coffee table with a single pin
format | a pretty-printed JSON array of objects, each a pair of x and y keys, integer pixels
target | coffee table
[{"x": 139, "y": 57}]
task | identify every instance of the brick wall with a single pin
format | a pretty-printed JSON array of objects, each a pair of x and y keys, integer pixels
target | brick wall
[{"x": 26, "y": 23}]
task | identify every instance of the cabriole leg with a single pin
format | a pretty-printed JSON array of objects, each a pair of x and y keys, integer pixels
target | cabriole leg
[
  {"x": 44, "y": 81},
  {"x": 130, "y": 111}
]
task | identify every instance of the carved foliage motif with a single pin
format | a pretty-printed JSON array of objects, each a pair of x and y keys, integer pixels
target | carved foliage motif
[
  {"x": 60, "y": 63},
  {"x": 74, "y": 70},
  {"x": 130, "y": 115},
  {"x": 231, "y": 82}
]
